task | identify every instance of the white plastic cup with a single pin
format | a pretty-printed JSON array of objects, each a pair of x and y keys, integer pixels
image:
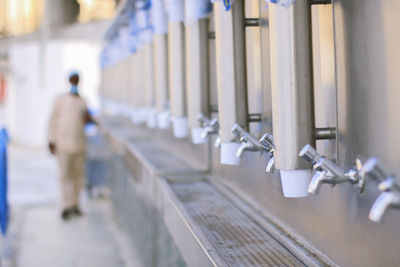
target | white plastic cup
[
  {"x": 163, "y": 120},
  {"x": 152, "y": 119},
  {"x": 196, "y": 136},
  {"x": 295, "y": 182},
  {"x": 126, "y": 111},
  {"x": 228, "y": 153},
  {"x": 135, "y": 116},
  {"x": 143, "y": 113},
  {"x": 180, "y": 127}
]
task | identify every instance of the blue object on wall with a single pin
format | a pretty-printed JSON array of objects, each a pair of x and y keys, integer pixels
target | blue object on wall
[
  {"x": 227, "y": 4},
  {"x": 4, "y": 208}
]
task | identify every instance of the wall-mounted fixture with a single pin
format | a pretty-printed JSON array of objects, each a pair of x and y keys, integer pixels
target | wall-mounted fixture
[
  {"x": 160, "y": 51},
  {"x": 267, "y": 141},
  {"x": 176, "y": 67},
  {"x": 249, "y": 143},
  {"x": 145, "y": 45},
  {"x": 327, "y": 172},
  {"x": 208, "y": 127},
  {"x": 138, "y": 98},
  {"x": 231, "y": 75},
  {"x": 389, "y": 185},
  {"x": 292, "y": 97},
  {"x": 197, "y": 63},
  {"x": 151, "y": 114}
]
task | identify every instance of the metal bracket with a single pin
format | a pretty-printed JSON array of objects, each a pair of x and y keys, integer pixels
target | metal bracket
[
  {"x": 325, "y": 133},
  {"x": 213, "y": 109},
  {"x": 255, "y": 117},
  {"x": 320, "y": 2},
  {"x": 252, "y": 22},
  {"x": 211, "y": 35}
]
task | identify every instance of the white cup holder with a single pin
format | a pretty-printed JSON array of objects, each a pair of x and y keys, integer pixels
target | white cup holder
[
  {"x": 295, "y": 182},
  {"x": 228, "y": 153}
]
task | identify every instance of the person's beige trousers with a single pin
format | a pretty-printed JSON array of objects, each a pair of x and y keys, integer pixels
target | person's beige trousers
[{"x": 72, "y": 174}]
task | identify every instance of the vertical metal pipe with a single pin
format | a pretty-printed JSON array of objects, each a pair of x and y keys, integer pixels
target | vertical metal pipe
[
  {"x": 197, "y": 80},
  {"x": 125, "y": 83},
  {"x": 160, "y": 52},
  {"x": 161, "y": 71},
  {"x": 292, "y": 84},
  {"x": 177, "y": 84},
  {"x": 141, "y": 74},
  {"x": 151, "y": 115},
  {"x": 131, "y": 82},
  {"x": 231, "y": 70}
]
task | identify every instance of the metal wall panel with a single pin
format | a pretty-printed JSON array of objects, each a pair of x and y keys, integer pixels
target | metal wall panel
[
  {"x": 356, "y": 52},
  {"x": 367, "y": 64}
]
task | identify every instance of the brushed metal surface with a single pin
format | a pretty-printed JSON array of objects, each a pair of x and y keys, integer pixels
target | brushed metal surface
[
  {"x": 160, "y": 47},
  {"x": 367, "y": 69},
  {"x": 238, "y": 239},
  {"x": 324, "y": 76},
  {"x": 231, "y": 69},
  {"x": 253, "y": 66},
  {"x": 367, "y": 58},
  {"x": 197, "y": 70},
  {"x": 176, "y": 66},
  {"x": 149, "y": 76},
  {"x": 291, "y": 82}
]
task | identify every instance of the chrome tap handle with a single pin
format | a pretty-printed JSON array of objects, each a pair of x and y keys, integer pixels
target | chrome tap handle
[
  {"x": 209, "y": 126},
  {"x": 238, "y": 131},
  {"x": 267, "y": 142},
  {"x": 214, "y": 124},
  {"x": 245, "y": 136},
  {"x": 362, "y": 179},
  {"x": 203, "y": 119},
  {"x": 374, "y": 169},
  {"x": 321, "y": 163},
  {"x": 386, "y": 184},
  {"x": 310, "y": 154}
]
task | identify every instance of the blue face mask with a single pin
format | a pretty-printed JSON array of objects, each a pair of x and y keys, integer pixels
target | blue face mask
[{"x": 73, "y": 89}]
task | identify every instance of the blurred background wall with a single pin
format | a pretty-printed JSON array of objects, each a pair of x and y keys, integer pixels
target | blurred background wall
[{"x": 40, "y": 42}]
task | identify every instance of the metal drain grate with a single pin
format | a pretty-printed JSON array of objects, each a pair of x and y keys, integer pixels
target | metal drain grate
[{"x": 237, "y": 238}]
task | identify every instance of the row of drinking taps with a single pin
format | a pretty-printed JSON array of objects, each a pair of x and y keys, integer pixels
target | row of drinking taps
[
  {"x": 325, "y": 170},
  {"x": 247, "y": 141}
]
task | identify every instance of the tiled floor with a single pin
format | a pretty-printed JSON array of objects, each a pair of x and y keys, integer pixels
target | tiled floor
[{"x": 38, "y": 237}]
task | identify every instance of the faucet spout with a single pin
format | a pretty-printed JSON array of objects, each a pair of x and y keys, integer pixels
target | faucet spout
[
  {"x": 247, "y": 140},
  {"x": 217, "y": 143},
  {"x": 206, "y": 132},
  {"x": 317, "y": 180},
  {"x": 209, "y": 126},
  {"x": 326, "y": 171},
  {"x": 383, "y": 202},
  {"x": 243, "y": 146}
]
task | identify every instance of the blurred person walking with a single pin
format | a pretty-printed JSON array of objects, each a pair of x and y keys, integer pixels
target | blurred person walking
[{"x": 67, "y": 141}]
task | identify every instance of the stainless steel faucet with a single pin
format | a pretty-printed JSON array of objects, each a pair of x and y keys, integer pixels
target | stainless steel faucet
[
  {"x": 388, "y": 185},
  {"x": 247, "y": 141},
  {"x": 327, "y": 172},
  {"x": 267, "y": 141},
  {"x": 210, "y": 126},
  {"x": 250, "y": 143}
]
